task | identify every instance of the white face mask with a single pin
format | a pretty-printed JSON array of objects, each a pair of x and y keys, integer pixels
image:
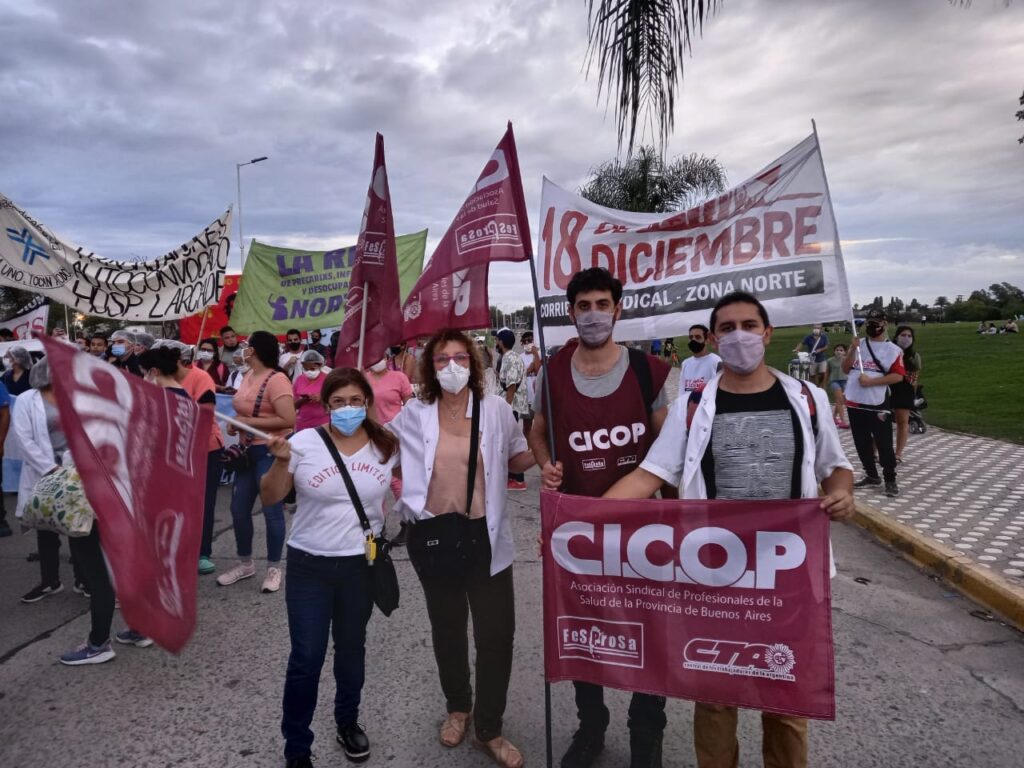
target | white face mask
[
  {"x": 904, "y": 340},
  {"x": 741, "y": 351},
  {"x": 453, "y": 378},
  {"x": 311, "y": 375},
  {"x": 528, "y": 347},
  {"x": 379, "y": 366},
  {"x": 205, "y": 354}
]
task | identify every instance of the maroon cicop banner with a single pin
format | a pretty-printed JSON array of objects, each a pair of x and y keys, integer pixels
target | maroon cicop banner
[
  {"x": 141, "y": 452},
  {"x": 725, "y": 602}
]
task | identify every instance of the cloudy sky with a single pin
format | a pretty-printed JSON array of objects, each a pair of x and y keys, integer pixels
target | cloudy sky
[{"x": 121, "y": 128}]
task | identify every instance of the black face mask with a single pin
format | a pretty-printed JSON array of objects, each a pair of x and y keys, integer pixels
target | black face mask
[
  {"x": 294, "y": 345},
  {"x": 395, "y": 351},
  {"x": 872, "y": 329},
  {"x": 696, "y": 346}
]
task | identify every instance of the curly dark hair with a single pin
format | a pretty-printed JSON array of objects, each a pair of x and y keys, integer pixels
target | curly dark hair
[
  {"x": 430, "y": 387},
  {"x": 385, "y": 442}
]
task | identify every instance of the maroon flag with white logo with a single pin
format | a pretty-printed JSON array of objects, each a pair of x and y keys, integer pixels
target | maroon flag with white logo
[
  {"x": 490, "y": 226},
  {"x": 373, "y": 287},
  {"x": 141, "y": 452},
  {"x": 726, "y": 602}
]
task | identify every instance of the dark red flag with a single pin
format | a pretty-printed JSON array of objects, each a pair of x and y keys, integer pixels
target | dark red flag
[
  {"x": 141, "y": 452},
  {"x": 376, "y": 274},
  {"x": 491, "y": 225},
  {"x": 726, "y": 602}
]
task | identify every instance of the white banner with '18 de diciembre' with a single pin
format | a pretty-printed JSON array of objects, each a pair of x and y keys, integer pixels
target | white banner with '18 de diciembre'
[
  {"x": 178, "y": 284},
  {"x": 772, "y": 236}
]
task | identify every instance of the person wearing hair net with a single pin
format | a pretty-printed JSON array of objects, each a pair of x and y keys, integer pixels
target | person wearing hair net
[
  {"x": 309, "y": 412},
  {"x": 238, "y": 369},
  {"x": 37, "y": 425},
  {"x": 122, "y": 352},
  {"x": 143, "y": 341},
  {"x": 18, "y": 363}
]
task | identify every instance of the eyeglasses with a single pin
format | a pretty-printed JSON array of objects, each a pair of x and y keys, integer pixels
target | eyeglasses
[
  {"x": 462, "y": 358},
  {"x": 341, "y": 402}
]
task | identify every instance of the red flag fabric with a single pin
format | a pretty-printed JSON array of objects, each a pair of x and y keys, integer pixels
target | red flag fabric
[
  {"x": 141, "y": 452},
  {"x": 217, "y": 315},
  {"x": 725, "y": 602},
  {"x": 376, "y": 273},
  {"x": 491, "y": 225}
]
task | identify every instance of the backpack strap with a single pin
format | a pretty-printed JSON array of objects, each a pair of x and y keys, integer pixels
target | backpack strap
[
  {"x": 691, "y": 405},
  {"x": 810, "y": 407},
  {"x": 641, "y": 368},
  {"x": 694, "y": 400}
]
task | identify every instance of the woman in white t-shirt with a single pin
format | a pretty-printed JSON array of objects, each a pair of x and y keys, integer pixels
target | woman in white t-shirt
[{"x": 328, "y": 585}]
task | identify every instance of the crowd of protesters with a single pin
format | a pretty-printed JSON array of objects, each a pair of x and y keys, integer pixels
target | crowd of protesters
[{"x": 441, "y": 430}]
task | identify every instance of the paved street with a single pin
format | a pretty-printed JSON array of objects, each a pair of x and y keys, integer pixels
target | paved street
[{"x": 921, "y": 681}]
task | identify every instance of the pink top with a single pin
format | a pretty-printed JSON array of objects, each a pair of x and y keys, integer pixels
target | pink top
[
  {"x": 310, "y": 413},
  {"x": 198, "y": 383},
  {"x": 245, "y": 399},
  {"x": 390, "y": 390}
]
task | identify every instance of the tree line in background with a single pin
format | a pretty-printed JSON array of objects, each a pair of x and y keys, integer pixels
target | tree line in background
[{"x": 1000, "y": 301}]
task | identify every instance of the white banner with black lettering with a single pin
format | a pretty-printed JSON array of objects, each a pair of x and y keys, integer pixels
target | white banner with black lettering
[
  {"x": 178, "y": 284},
  {"x": 772, "y": 236},
  {"x": 28, "y": 319}
]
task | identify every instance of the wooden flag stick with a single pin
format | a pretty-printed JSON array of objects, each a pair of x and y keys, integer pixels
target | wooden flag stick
[{"x": 251, "y": 430}]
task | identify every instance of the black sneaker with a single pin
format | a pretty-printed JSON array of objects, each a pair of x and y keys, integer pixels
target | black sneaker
[
  {"x": 80, "y": 589},
  {"x": 306, "y": 761},
  {"x": 353, "y": 740},
  {"x": 586, "y": 746},
  {"x": 891, "y": 489},
  {"x": 5, "y": 530},
  {"x": 644, "y": 748},
  {"x": 866, "y": 481},
  {"x": 38, "y": 593}
]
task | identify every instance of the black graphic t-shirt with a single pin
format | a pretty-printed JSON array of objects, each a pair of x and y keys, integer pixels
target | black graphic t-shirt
[{"x": 756, "y": 447}]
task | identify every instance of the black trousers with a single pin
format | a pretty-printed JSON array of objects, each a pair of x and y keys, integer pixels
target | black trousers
[
  {"x": 871, "y": 429},
  {"x": 89, "y": 559},
  {"x": 646, "y": 712},
  {"x": 48, "y": 543},
  {"x": 491, "y": 601}
]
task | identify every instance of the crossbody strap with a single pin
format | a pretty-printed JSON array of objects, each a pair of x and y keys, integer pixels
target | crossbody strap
[
  {"x": 248, "y": 438},
  {"x": 875, "y": 357},
  {"x": 349, "y": 485},
  {"x": 474, "y": 449}
]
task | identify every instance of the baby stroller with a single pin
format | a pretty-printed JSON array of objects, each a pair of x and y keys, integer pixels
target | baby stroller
[{"x": 917, "y": 425}]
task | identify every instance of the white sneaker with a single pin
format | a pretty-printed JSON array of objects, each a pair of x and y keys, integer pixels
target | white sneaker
[
  {"x": 239, "y": 572},
  {"x": 272, "y": 581}
]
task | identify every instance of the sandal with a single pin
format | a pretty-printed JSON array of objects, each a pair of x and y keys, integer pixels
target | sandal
[
  {"x": 502, "y": 751},
  {"x": 454, "y": 727}
]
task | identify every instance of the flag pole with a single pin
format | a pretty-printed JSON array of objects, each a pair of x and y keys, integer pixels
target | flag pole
[
  {"x": 67, "y": 324},
  {"x": 246, "y": 428},
  {"x": 840, "y": 261},
  {"x": 362, "y": 329}
]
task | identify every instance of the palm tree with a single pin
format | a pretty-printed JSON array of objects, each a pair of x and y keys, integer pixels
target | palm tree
[
  {"x": 645, "y": 182},
  {"x": 638, "y": 46}
]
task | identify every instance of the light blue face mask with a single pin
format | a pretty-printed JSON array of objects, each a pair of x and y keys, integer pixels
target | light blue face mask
[
  {"x": 348, "y": 419},
  {"x": 118, "y": 349}
]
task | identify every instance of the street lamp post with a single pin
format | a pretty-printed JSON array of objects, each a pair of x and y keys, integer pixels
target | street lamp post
[{"x": 238, "y": 178}]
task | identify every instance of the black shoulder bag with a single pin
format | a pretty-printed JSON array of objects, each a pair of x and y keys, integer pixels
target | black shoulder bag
[
  {"x": 383, "y": 578},
  {"x": 439, "y": 546},
  {"x": 887, "y": 402}
]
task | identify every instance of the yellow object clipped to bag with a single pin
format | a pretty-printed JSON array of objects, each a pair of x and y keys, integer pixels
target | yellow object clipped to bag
[{"x": 58, "y": 504}]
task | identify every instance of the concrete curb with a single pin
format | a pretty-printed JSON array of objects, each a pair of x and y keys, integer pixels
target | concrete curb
[{"x": 959, "y": 571}]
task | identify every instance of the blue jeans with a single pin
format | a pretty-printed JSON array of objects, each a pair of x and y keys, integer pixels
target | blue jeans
[
  {"x": 244, "y": 495},
  {"x": 323, "y": 594}
]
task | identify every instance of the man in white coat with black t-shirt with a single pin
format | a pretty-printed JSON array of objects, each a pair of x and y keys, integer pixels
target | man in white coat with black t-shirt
[{"x": 721, "y": 452}]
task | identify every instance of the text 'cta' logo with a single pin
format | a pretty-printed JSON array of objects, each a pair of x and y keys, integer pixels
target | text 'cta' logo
[
  {"x": 618, "y": 643},
  {"x": 775, "y": 661}
]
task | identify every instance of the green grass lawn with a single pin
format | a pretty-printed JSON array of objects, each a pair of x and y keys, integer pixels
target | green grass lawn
[{"x": 973, "y": 383}]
